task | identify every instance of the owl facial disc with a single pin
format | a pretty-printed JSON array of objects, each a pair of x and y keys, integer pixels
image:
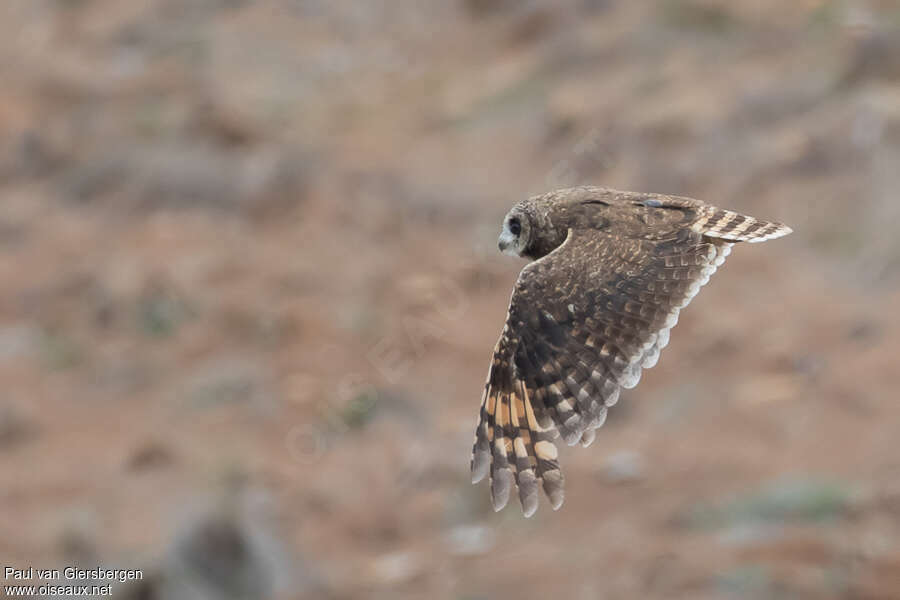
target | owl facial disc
[{"x": 513, "y": 236}]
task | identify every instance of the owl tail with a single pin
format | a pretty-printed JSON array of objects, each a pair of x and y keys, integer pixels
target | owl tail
[
  {"x": 511, "y": 446},
  {"x": 735, "y": 227}
]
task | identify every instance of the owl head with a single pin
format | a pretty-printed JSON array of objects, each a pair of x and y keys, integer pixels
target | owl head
[{"x": 534, "y": 227}]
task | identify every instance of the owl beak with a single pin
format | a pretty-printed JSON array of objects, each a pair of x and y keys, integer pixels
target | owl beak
[{"x": 507, "y": 244}]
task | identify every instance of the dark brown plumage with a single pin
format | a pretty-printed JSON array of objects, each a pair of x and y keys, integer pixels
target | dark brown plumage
[{"x": 611, "y": 270}]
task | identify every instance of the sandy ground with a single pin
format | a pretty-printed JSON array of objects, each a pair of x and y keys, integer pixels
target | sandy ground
[{"x": 250, "y": 288}]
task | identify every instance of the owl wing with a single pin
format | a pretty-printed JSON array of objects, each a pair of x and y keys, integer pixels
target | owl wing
[{"x": 583, "y": 322}]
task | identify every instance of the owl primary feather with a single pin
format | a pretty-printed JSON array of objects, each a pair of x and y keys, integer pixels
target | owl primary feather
[{"x": 610, "y": 271}]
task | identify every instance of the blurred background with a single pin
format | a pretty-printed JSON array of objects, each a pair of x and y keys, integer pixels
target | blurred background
[{"x": 249, "y": 288}]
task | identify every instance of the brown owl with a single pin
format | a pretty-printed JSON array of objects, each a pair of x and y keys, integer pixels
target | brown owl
[{"x": 610, "y": 271}]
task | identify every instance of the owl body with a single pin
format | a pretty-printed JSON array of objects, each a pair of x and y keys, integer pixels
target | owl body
[{"x": 610, "y": 272}]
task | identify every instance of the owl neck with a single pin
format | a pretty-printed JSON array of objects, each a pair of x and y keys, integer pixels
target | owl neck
[{"x": 548, "y": 239}]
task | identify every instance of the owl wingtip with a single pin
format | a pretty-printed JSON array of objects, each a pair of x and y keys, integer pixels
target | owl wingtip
[
  {"x": 573, "y": 436},
  {"x": 553, "y": 487},
  {"x": 528, "y": 493},
  {"x": 778, "y": 230},
  {"x": 557, "y": 501},
  {"x": 480, "y": 466},
  {"x": 500, "y": 486},
  {"x": 588, "y": 437}
]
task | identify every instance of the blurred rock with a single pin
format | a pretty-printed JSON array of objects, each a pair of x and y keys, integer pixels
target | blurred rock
[
  {"x": 470, "y": 540},
  {"x": 359, "y": 410},
  {"x": 15, "y": 427},
  {"x": 532, "y": 23},
  {"x": 218, "y": 123},
  {"x": 259, "y": 183},
  {"x": 396, "y": 568},
  {"x": 217, "y": 558},
  {"x": 747, "y": 581},
  {"x": 769, "y": 389},
  {"x": 875, "y": 56},
  {"x": 30, "y": 156},
  {"x": 18, "y": 341},
  {"x": 749, "y": 534},
  {"x": 625, "y": 466},
  {"x": 224, "y": 553},
  {"x": 59, "y": 350},
  {"x": 481, "y": 8},
  {"x": 149, "y": 456},
  {"x": 226, "y": 381},
  {"x": 161, "y": 308},
  {"x": 12, "y": 234},
  {"x": 785, "y": 500},
  {"x": 99, "y": 176},
  {"x": 699, "y": 15}
]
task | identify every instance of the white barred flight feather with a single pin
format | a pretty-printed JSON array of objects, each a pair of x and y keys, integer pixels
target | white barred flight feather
[
  {"x": 611, "y": 271},
  {"x": 735, "y": 227}
]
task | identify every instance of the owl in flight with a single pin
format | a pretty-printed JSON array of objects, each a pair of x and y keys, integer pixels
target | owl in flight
[{"x": 610, "y": 271}]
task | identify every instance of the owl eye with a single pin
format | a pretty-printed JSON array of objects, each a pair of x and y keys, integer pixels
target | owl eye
[{"x": 515, "y": 227}]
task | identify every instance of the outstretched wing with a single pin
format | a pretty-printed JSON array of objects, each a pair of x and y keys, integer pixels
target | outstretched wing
[{"x": 583, "y": 322}]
